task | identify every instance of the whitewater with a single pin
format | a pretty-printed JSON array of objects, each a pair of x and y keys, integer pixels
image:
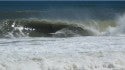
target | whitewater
[{"x": 75, "y": 53}]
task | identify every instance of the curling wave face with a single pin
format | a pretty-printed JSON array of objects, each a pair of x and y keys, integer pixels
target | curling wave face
[
  {"x": 58, "y": 28},
  {"x": 42, "y": 28}
]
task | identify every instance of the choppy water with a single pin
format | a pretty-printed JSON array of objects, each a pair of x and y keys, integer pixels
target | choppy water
[{"x": 62, "y": 35}]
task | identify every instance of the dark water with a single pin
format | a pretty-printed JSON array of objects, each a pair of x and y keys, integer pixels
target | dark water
[
  {"x": 40, "y": 18},
  {"x": 61, "y": 9}
]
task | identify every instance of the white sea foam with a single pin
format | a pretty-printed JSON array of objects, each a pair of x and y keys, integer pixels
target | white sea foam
[
  {"x": 119, "y": 30},
  {"x": 75, "y": 53}
]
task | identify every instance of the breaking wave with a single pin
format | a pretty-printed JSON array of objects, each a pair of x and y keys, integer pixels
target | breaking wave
[
  {"x": 57, "y": 28},
  {"x": 119, "y": 29},
  {"x": 42, "y": 28}
]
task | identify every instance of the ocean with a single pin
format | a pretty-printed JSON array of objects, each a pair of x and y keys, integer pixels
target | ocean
[{"x": 62, "y": 35}]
